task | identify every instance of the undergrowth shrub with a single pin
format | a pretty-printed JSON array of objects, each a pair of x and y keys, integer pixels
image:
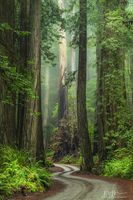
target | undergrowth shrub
[
  {"x": 70, "y": 159},
  {"x": 19, "y": 172},
  {"x": 49, "y": 163},
  {"x": 119, "y": 168},
  {"x": 120, "y": 160}
]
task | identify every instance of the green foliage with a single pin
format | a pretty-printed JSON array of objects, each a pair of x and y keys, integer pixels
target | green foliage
[
  {"x": 70, "y": 159},
  {"x": 115, "y": 31},
  {"x": 91, "y": 104},
  {"x": 18, "y": 170},
  {"x": 49, "y": 156},
  {"x": 49, "y": 153},
  {"x": 119, "y": 168},
  {"x": 119, "y": 164},
  {"x": 70, "y": 77},
  {"x": 91, "y": 95},
  {"x": 14, "y": 81},
  {"x": 7, "y": 27},
  {"x": 120, "y": 141},
  {"x": 114, "y": 103},
  {"x": 49, "y": 163},
  {"x": 72, "y": 19},
  {"x": 50, "y": 24}
]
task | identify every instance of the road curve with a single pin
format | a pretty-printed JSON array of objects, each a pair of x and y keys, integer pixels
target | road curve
[{"x": 78, "y": 188}]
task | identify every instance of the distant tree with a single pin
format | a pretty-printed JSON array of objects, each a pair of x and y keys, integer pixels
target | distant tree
[{"x": 62, "y": 71}]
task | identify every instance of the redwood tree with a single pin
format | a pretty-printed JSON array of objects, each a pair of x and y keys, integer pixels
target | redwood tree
[
  {"x": 31, "y": 118},
  {"x": 7, "y": 99},
  {"x": 110, "y": 73},
  {"x": 62, "y": 70},
  {"x": 81, "y": 90}
]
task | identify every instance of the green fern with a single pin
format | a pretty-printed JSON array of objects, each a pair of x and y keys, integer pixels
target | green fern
[{"x": 19, "y": 170}]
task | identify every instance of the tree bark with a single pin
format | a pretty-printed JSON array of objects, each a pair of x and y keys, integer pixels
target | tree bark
[
  {"x": 45, "y": 105},
  {"x": 7, "y": 110},
  {"x": 63, "y": 107},
  {"x": 131, "y": 76},
  {"x": 109, "y": 66},
  {"x": 81, "y": 90},
  {"x": 32, "y": 120},
  {"x": 24, "y": 54}
]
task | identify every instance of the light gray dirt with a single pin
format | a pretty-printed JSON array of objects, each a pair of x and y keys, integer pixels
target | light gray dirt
[{"x": 78, "y": 188}]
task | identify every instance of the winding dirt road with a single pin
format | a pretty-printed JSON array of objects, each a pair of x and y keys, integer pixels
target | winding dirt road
[{"x": 78, "y": 188}]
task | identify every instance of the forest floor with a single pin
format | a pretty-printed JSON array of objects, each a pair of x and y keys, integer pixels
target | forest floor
[{"x": 123, "y": 189}]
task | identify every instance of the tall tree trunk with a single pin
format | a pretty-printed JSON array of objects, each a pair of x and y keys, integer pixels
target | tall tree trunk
[
  {"x": 131, "y": 76},
  {"x": 40, "y": 148},
  {"x": 46, "y": 102},
  {"x": 100, "y": 116},
  {"x": 32, "y": 122},
  {"x": 81, "y": 90},
  {"x": 110, "y": 65},
  {"x": 7, "y": 110},
  {"x": 128, "y": 80},
  {"x": 46, "y": 105},
  {"x": 62, "y": 69},
  {"x": 24, "y": 54},
  {"x": 73, "y": 53}
]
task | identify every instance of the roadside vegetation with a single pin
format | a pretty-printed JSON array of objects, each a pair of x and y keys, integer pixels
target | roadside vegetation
[{"x": 20, "y": 173}]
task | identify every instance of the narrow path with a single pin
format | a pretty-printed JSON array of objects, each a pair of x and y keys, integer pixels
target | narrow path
[{"x": 78, "y": 188}]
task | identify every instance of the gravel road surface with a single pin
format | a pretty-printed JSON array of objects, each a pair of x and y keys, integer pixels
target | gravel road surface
[{"x": 78, "y": 188}]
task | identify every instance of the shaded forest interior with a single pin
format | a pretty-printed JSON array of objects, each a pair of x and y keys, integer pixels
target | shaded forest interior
[{"x": 66, "y": 89}]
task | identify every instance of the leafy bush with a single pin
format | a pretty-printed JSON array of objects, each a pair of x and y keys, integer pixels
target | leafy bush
[
  {"x": 70, "y": 159},
  {"x": 49, "y": 163},
  {"x": 50, "y": 153},
  {"x": 119, "y": 168},
  {"x": 19, "y": 172}
]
